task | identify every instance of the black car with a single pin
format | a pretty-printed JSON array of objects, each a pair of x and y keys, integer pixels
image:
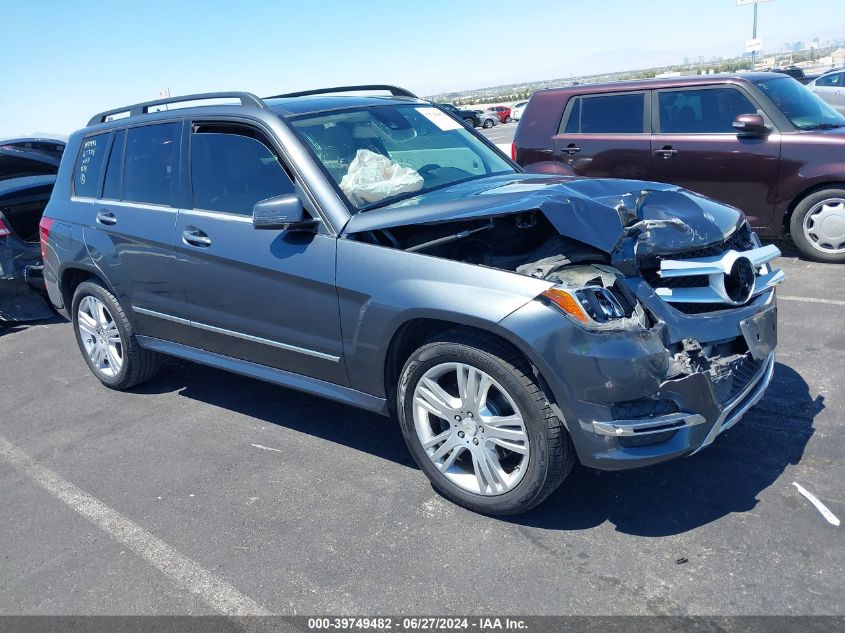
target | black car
[{"x": 470, "y": 117}]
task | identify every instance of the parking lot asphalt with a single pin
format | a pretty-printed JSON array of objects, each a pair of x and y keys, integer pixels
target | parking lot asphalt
[
  {"x": 204, "y": 491},
  {"x": 501, "y": 134}
]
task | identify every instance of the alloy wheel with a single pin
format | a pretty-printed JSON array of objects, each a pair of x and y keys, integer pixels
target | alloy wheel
[
  {"x": 100, "y": 336},
  {"x": 470, "y": 428}
]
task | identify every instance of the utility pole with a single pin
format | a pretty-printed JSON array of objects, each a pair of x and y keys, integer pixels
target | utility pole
[{"x": 754, "y": 37}]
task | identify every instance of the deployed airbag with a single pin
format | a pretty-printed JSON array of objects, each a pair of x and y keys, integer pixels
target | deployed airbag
[{"x": 373, "y": 177}]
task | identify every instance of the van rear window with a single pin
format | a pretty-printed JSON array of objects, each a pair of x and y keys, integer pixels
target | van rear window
[{"x": 89, "y": 165}]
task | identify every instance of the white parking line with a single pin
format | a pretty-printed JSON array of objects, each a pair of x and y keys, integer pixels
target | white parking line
[
  {"x": 833, "y": 302},
  {"x": 826, "y": 513},
  {"x": 266, "y": 448},
  {"x": 215, "y": 592}
]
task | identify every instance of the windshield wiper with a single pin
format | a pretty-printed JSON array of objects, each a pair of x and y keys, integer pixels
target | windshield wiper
[{"x": 822, "y": 126}]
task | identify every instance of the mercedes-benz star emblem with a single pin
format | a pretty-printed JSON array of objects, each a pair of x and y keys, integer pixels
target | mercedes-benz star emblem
[{"x": 739, "y": 283}]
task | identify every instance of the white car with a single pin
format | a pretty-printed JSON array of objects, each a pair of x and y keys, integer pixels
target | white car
[
  {"x": 516, "y": 110},
  {"x": 831, "y": 87}
]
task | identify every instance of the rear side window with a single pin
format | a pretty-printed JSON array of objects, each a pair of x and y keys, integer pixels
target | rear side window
[
  {"x": 231, "y": 172},
  {"x": 151, "y": 164},
  {"x": 702, "y": 111},
  {"x": 89, "y": 165},
  {"x": 114, "y": 168},
  {"x": 607, "y": 114}
]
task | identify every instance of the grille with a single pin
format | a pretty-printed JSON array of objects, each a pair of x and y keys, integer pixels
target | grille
[
  {"x": 642, "y": 408},
  {"x": 739, "y": 241},
  {"x": 728, "y": 385}
]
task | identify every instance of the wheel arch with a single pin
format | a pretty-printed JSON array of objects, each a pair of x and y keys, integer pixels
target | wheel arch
[
  {"x": 803, "y": 194},
  {"x": 414, "y": 332}
]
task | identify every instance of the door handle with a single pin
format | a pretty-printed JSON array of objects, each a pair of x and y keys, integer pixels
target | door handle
[
  {"x": 195, "y": 237},
  {"x": 104, "y": 216},
  {"x": 571, "y": 149},
  {"x": 666, "y": 152}
]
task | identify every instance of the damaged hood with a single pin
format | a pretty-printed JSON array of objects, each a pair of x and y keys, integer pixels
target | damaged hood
[{"x": 651, "y": 217}]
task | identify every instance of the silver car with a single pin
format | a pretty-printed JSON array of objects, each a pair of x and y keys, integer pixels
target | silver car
[{"x": 831, "y": 88}]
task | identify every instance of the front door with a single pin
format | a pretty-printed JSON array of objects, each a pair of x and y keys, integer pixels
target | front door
[
  {"x": 266, "y": 296},
  {"x": 694, "y": 145},
  {"x": 606, "y": 136},
  {"x": 831, "y": 88}
]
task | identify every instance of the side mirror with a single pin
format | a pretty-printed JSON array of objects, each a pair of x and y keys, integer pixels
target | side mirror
[
  {"x": 283, "y": 212},
  {"x": 750, "y": 125}
]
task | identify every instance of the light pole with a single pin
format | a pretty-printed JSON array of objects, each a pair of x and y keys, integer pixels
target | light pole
[{"x": 754, "y": 48}]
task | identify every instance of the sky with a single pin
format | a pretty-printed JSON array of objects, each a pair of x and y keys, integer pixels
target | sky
[{"x": 61, "y": 61}]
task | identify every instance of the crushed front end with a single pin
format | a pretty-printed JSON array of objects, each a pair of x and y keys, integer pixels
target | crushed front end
[{"x": 681, "y": 348}]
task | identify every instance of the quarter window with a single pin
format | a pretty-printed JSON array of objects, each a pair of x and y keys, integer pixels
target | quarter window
[
  {"x": 151, "y": 164},
  {"x": 702, "y": 111},
  {"x": 231, "y": 172},
  {"x": 89, "y": 165},
  {"x": 607, "y": 114}
]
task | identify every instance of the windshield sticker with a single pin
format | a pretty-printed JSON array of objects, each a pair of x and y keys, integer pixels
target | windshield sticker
[{"x": 440, "y": 119}]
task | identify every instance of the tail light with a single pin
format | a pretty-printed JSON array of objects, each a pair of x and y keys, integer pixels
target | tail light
[
  {"x": 4, "y": 230},
  {"x": 513, "y": 151},
  {"x": 44, "y": 232}
]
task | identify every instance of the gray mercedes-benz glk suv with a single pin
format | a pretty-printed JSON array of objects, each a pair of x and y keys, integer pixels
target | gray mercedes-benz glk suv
[{"x": 373, "y": 250}]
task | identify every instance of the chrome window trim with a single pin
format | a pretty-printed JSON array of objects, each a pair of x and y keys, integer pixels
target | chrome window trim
[
  {"x": 126, "y": 203},
  {"x": 241, "y": 335}
]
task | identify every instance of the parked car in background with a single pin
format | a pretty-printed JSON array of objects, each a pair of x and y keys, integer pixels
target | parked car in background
[
  {"x": 516, "y": 110},
  {"x": 487, "y": 118},
  {"x": 503, "y": 112},
  {"x": 759, "y": 141},
  {"x": 470, "y": 117},
  {"x": 27, "y": 174},
  {"x": 376, "y": 251},
  {"x": 831, "y": 87},
  {"x": 50, "y": 146}
]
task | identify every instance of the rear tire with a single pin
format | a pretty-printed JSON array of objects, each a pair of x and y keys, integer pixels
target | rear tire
[
  {"x": 508, "y": 119},
  {"x": 515, "y": 407},
  {"x": 487, "y": 124},
  {"x": 817, "y": 225},
  {"x": 107, "y": 339}
]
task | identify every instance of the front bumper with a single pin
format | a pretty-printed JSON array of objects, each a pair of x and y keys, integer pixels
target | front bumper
[{"x": 591, "y": 374}]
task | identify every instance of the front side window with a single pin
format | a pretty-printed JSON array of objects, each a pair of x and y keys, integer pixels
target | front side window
[
  {"x": 89, "y": 165},
  {"x": 231, "y": 172},
  {"x": 834, "y": 80},
  {"x": 607, "y": 114},
  {"x": 380, "y": 155},
  {"x": 151, "y": 164},
  {"x": 803, "y": 108},
  {"x": 702, "y": 111}
]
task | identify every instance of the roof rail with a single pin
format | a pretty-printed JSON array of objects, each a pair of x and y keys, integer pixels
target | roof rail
[
  {"x": 247, "y": 99},
  {"x": 394, "y": 90}
]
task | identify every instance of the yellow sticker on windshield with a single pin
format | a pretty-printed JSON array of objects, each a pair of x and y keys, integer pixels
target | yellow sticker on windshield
[{"x": 440, "y": 119}]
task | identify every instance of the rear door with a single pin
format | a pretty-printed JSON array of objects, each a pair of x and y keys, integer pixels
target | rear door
[
  {"x": 606, "y": 136},
  {"x": 129, "y": 226},
  {"x": 694, "y": 145},
  {"x": 266, "y": 296}
]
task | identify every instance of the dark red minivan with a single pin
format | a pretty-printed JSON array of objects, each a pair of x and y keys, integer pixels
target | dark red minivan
[{"x": 759, "y": 141}]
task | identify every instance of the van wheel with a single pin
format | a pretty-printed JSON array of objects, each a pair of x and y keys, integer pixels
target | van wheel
[
  {"x": 488, "y": 123},
  {"x": 107, "y": 340},
  {"x": 480, "y": 427},
  {"x": 818, "y": 225}
]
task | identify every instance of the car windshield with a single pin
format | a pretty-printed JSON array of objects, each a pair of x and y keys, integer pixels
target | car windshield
[
  {"x": 804, "y": 108},
  {"x": 380, "y": 155}
]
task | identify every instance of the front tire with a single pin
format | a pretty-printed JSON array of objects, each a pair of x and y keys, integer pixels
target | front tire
[
  {"x": 480, "y": 427},
  {"x": 508, "y": 119},
  {"x": 817, "y": 225},
  {"x": 487, "y": 124},
  {"x": 107, "y": 340}
]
